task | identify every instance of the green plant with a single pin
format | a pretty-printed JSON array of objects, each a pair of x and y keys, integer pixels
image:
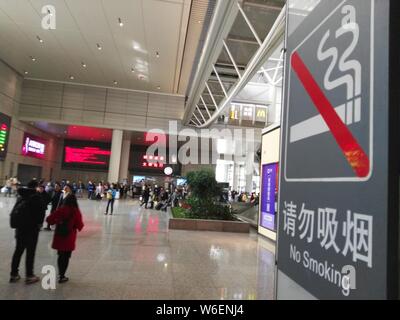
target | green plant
[
  {"x": 178, "y": 212},
  {"x": 204, "y": 191}
]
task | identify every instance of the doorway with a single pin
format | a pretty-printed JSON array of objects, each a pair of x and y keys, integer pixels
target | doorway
[{"x": 26, "y": 173}]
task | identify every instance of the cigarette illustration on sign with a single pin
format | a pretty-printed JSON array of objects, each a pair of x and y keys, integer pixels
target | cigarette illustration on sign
[{"x": 334, "y": 72}]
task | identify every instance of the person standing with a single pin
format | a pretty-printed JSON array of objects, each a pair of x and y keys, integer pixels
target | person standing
[
  {"x": 46, "y": 198},
  {"x": 99, "y": 191},
  {"x": 55, "y": 201},
  {"x": 68, "y": 219},
  {"x": 90, "y": 189},
  {"x": 111, "y": 193},
  {"x": 9, "y": 187},
  {"x": 26, "y": 218}
]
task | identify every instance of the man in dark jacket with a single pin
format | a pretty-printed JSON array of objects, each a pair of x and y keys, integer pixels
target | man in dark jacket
[{"x": 27, "y": 234}]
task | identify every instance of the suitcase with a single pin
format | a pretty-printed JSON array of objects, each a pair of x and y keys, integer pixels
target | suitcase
[
  {"x": 164, "y": 207},
  {"x": 158, "y": 206}
]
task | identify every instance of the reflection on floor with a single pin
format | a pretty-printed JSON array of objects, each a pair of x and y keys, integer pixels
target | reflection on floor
[{"x": 132, "y": 255}]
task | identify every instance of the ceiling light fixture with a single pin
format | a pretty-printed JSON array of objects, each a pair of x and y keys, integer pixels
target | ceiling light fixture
[
  {"x": 33, "y": 58},
  {"x": 99, "y": 46},
  {"x": 157, "y": 54},
  {"x": 159, "y": 88},
  {"x": 115, "y": 82},
  {"x": 26, "y": 72},
  {"x": 120, "y": 22},
  {"x": 84, "y": 65},
  {"x": 133, "y": 70},
  {"x": 71, "y": 77},
  {"x": 40, "y": 39}
]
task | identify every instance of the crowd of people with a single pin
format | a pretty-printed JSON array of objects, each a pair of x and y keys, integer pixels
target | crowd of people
[
  {"x": 158, "y": 198},
  {"x": 29, "y": 213},
  {"x": 252, "y": 197},
  {"x": 28, "y": 216}
]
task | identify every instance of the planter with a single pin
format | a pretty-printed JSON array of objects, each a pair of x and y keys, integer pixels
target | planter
[{"x": 209, "y": 225}]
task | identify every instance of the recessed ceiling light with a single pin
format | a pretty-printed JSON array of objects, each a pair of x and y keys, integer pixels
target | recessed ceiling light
[
  {"x": 40, "y": 39},
  {"x": 71, "y": 77},
  {"x": 133, "y": 70},
  {"x": 84, "y": 65},
  {"x": 120, "y": 22},
  {"x": 115, "y": 82},
  {"x": 157, "y": 54},
  {"x": 99, "y": 46},
  {"x": 26, "y": 72},
  {"x": 159, "y": 88},
  {"x": 33, "y": 58}
]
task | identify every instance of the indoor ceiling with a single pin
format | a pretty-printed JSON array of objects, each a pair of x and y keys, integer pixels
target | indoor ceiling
[
  {"x": 242, "y": 45},
  {"x": 142, "y": 41}
]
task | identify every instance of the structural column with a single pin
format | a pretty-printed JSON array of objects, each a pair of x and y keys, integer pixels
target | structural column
[
  {"x": 125, "y": 153},
  {"x": 249, "y": 167},
  {"x": 116, "y": 148}
]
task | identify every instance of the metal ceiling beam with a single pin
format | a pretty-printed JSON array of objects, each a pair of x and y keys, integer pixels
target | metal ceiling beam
[
  {"x": 261, "y": 5},
  {"x": 272, "y": 41},
  {"x": 223, "y": 19},
  {"x": 249, "y": 24},
  {"x": 242, "y": 40}
]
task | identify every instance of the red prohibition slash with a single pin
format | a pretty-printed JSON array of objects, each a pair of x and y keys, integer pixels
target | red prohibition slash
[{"x": 350, "y": 147}]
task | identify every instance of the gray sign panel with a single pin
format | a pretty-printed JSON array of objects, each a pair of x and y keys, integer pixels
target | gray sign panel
[{"x": 334, "y": 187}]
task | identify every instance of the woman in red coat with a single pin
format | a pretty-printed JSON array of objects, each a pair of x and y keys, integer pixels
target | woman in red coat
[{"x": 68, "y": 219}]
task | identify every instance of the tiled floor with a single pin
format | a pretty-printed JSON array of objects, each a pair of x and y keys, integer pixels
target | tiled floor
[{"x": 132, "y": 255}]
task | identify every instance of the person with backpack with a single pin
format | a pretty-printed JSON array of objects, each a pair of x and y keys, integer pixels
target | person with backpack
[
  {"x": 68, "y": 220},
  {"x": 111, "y": 193},
  {"x": 27, "y": 219}
]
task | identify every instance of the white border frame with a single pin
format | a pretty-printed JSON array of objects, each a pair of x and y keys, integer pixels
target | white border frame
[{"x": 371, "y": 145}]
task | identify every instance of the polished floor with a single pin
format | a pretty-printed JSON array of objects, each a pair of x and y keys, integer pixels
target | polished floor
[{"x": 132, "y": 255}]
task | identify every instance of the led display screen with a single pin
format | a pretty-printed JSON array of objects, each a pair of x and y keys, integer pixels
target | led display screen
[
  {"x": 86, "y": 155},
  {"x": 140, "y": 162},
  {"x": 5, "y": 125},
  {"x": 33, "y": 146}
]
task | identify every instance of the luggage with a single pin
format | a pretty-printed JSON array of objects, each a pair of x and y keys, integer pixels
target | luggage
[
  {"x": 164, "y": 206},
  {"x": 158, "y": 206}
]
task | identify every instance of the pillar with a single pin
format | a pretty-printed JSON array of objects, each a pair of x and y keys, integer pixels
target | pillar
[
  {"x": 249, "y": 166},
  {"x": 235, "y": 176},
  {"x": 115, "y": 158},
  {"x": 125, "y": 153}
]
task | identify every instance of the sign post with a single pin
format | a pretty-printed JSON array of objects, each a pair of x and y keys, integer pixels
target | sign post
[{"x": 338, "y": 204}]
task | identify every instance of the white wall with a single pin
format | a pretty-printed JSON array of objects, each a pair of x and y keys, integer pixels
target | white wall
[{"x": 10, "y": 93}]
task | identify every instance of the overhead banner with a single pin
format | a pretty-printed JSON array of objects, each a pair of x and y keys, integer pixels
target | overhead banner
[{"x": 333, "y": 209}]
